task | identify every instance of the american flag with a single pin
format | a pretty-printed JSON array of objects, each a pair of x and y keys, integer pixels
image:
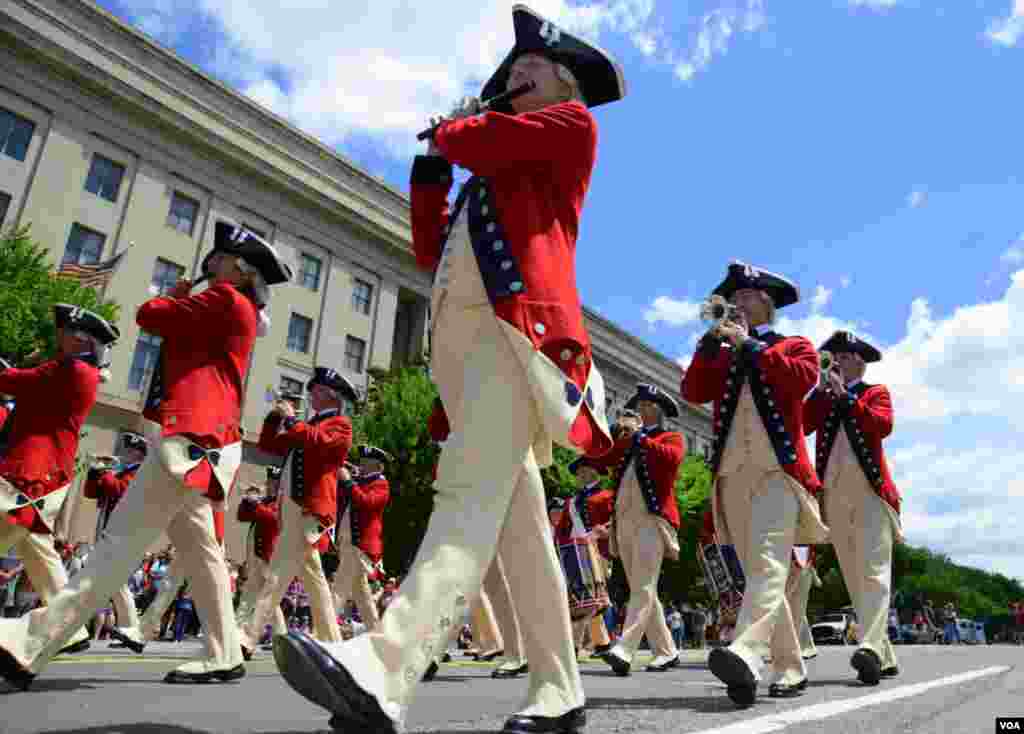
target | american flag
[{"x": 96, "y": 275}]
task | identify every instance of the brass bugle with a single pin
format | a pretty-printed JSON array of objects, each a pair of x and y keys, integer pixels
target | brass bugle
[{"x": 716, "y": 311}]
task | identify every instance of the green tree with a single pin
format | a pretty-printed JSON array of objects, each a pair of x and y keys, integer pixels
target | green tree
[{"x": 28, "y": 292}]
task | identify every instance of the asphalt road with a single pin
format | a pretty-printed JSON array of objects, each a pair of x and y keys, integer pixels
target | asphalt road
[{"x": 952, "y": 690}]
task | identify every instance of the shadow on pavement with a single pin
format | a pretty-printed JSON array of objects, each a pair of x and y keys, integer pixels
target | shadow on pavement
[
  {"x": 165, "y": 728},
  {"x": 699, "y": 704}
]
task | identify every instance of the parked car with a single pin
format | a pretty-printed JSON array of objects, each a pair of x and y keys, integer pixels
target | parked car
[
  {"x": 920, "y": 634},
  {"x": 834, "y": 628},
  {"x": 965, "y": 628},
  {"x": 979, "y": 633}
]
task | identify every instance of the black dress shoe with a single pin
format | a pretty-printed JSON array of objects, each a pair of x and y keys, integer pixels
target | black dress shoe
[
  {"x": 733, "y": 670},
  {"x": 673, "y": 663},
  {"x": 135, "y": 647},
  {"x": 568, "y": 723},
  {"x": 220, "y": 676},
  {"x": 510, "y": 672},
  {"x": 13, "y": 673},
  {"x": 446, "y": 657},
  {"x": 431, "y": 671},
  {"x": 318, "y": 677},
  {"x": 787, "y": 690},
  {"x": 868, "y": 666},
  {"x": 246, "y": 653},
  {"x": 620, "y": 666},
  {"x": 891, "y": 672},
  {"x": 601, "y": 650},
  {"x": 490, "y": 656},
  {"x": 80, "y": 646}
]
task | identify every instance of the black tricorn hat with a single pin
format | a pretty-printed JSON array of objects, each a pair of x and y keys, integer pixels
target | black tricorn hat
[
  {"x": 645, "y": 391},
  {"x": 846, "y": 341},
  {"x": 374, "y": 454},
  {"x": 783, "y": 291},
  {"x": 68, "y": 316},
  {"x": 586, "y": 461},
  {"x": 135, "y": 441},
  {"x": 330, "y": 378},
  {"x": 556, "y": 503},
  {"x": 273, "y": 472},
  {"x": 599, "y": 75},
  {"x": 235, "y": 239}
]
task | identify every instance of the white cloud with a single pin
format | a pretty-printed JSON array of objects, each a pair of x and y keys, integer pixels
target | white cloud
[
  {"x": 672, "y": 312},
  {"x": 380, "y": 67},
  {"x": 1007, "y": 31},
  {"x": 717, "y": 29},
  {"x": 1015, "y": 254},
  {"x": 820, "y": 299},
  {"x": 916, "y": 198},
  {"x": 874, "y": 4}
]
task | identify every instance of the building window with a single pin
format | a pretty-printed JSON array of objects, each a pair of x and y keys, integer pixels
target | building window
[
  {"x": 309, "y": 273},
  {"x": 183, "y": 213},
  {"x": 362, "y": 297},
  {"x": 15, "y": 134},
  {"x": 104, "y": 178},
  {"x": 144, "y": 360},
  {"x": 5, "y": 204},
  {"x": 165, "y": 275},
  {"x": 84, "y": 246},
  {"x": 299, "y": 330},
  {"x": 354, "y": 351}
]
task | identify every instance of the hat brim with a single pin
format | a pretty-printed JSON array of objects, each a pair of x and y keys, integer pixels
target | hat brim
[
  {"x": 240, "y": 242},
  {"x": 668, "y": 406},
  {"x": 782, "y": 292},
  {"x": 599, "y": 75},
  {"x": 87, "y": 321},
  {"x": 838, "y": 344}
]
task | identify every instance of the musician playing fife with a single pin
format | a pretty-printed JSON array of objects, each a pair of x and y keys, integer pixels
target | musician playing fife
[
  {"x": 861, "y": 502},
  {"x": 646, "y": 459},
  {"x": 314, "y": 451},
  {"x": 262, "y": 512},
  {"x": 107, "y": 487},
  {"x": 54, "y": 398},
  {"x": 764, "y": 484},
  {"x": 513, "y": 365},
  {"x": 195, "y": 450}
]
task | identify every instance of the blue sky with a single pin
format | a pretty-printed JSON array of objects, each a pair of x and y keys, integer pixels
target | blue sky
[{"x": 869, "y": 149}]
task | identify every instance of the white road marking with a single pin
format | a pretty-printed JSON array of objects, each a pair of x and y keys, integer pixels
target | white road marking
[{"x": 782, "y": 719}]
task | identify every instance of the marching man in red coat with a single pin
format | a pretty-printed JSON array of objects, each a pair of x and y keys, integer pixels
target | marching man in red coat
[
  {"x": 646, "y": 460},
  {"x": 862, "y": 504},
  {"x": 262, "y": 512},
  {"x": 314, "y": 452},
  {"x": 359, "y": 536},
  {"x": 513, "y": 365},
  {"x": 194, "y": 410},
  {"x": 107, "y": 487},
  {"x": 764, "y": 485},
  {"x": 38, "y": 466}
]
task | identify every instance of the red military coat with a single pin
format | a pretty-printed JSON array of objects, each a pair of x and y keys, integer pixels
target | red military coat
[
  {"x": 657, "y": 454},
  {"x": 207, "y": 340},
  {"x": 781, "y": 371},
  {"x": 866, "y": 413},
  {"x": 54, "y": 400},
  {"x": 265, "y": 528},
  {"x": 366, "y": 498},
  {"x": 108, "y": 487},
  {"x": 595, "y": 506},
  {"x": 5, "y": 412},
  {"x": 532, "y": 172},
  {"x": 318, "y": 449}
]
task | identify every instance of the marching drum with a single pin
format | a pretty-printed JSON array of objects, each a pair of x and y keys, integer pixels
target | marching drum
[
  {"x": 723, "y": 574},
  {"x": 585, "y": 576}
]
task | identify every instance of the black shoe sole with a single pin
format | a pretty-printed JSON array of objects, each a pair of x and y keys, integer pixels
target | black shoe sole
[
  {"x": 506, "y": 673},
  {"x": 620, "y": 666},
  {"x": 663, "y": 668},
  {"x": 430, "y": 672},
  {"x": 135, "y": 647},
  {"x": 868, "y": 667},
  {"x": 218, "y": 676},
  {"x": 890, "y": 672},
  {"x": 246, "y": 653},
  {"x": 80, "y": 646},
  {"x": 730, "y": 668},
  {"x": 352, "y": 708},
  {"x": 12, "y": 672},
  {"x": 571, "y": 723},
  {"x": 784, "y": 691}
]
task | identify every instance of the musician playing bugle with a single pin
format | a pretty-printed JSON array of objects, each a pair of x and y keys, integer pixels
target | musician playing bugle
[
  {"x": 513, "y": 365},
  {"x": 194, "y": 410},
  {"x": 764, "y": 484},
  {"x": 862, "y": 504}
]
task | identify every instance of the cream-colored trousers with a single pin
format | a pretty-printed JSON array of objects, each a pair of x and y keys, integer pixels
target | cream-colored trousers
[
  {"x": 351, "y": 582},
  {"x": 293, "y": 556},
  {"x": 504, "y": 613},
  {"x": 149, "y": 623},
  {"x": 488, "y": 487},
  {"x": 762, "y": 513},
  {"x": 260, "y": 581},
  {"x": 797, "y": 594},
  {"x": 124, "y": 608},
  {"x": 862, "y": 533},
  {"x": 642, "y": 550},
  {"x": 157, "y": 502}
]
